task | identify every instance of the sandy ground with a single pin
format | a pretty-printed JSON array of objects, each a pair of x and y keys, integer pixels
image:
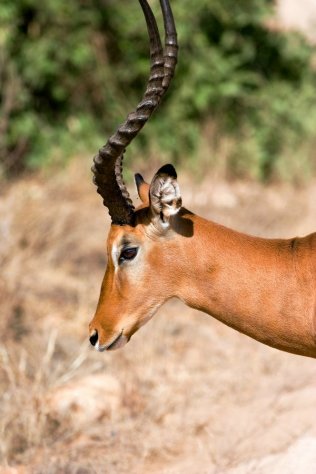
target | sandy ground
[{"x": 186, "y": 395}]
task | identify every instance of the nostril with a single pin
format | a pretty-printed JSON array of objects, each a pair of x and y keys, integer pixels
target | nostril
[{"x": 94, "y": 337}]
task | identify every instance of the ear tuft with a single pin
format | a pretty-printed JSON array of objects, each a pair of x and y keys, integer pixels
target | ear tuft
[
  {"x": 142, "y": 188},
  {"x": 138, "y": 179},
  {"x": 165, "y": 197},
  {"x": 168, "y": 170}
]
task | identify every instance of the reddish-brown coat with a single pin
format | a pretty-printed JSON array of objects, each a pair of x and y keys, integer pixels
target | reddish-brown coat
[{"x": 260, "y": 287}]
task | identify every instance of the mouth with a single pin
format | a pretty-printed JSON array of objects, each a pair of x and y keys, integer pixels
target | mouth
[{"x": 119, "y": 341}]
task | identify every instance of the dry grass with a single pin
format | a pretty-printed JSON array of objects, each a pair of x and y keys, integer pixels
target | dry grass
[{"x": 185, "y": 395}]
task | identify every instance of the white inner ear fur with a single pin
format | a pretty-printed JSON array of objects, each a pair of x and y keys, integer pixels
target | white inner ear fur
[{"x": 165, "y": 197}]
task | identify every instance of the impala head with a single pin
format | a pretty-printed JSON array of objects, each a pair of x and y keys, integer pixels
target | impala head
[{"x": 132, "y": 288}]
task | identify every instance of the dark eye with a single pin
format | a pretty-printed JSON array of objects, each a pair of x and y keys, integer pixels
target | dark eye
[{"x": 128, "y": 254}]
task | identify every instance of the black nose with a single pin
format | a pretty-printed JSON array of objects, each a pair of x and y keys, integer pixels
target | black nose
[{"x": 94, "y": 337}]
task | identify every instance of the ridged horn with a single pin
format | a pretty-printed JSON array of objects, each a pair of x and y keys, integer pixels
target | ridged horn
[
  {"x": 107, "y": 167},
  {"x": 171, "y": 44}
]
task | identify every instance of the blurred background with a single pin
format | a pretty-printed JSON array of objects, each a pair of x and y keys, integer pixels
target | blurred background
[
  {"x": 243, "y": 99},
  {"x": 187, "y": 394}
]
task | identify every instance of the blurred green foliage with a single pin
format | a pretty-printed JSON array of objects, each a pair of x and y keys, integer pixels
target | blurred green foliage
[{"x": 243, "y": 99}]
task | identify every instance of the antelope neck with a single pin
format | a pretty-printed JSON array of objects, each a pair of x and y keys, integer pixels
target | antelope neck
[{"x": 254, "y": 285}]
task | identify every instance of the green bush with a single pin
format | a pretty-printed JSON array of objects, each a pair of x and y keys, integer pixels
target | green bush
[{"x": 70, "y": 72}]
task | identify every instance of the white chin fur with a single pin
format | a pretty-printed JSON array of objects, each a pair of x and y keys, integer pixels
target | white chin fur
[{"x": 121, "y": 341}]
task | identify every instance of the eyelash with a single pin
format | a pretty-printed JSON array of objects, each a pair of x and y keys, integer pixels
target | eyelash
[{"x": 128, "y": 254}]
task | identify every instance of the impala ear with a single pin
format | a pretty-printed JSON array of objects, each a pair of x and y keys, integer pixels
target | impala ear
[
  {"x": 142, "y": 188},
  {"x": 164, "y": 194}
]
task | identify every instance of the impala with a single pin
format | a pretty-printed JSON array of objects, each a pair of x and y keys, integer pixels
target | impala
[{"x": 263, "y": 288}]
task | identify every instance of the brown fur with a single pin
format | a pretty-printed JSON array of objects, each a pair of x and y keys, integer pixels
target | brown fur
[{"x": 263, "y": 288}]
